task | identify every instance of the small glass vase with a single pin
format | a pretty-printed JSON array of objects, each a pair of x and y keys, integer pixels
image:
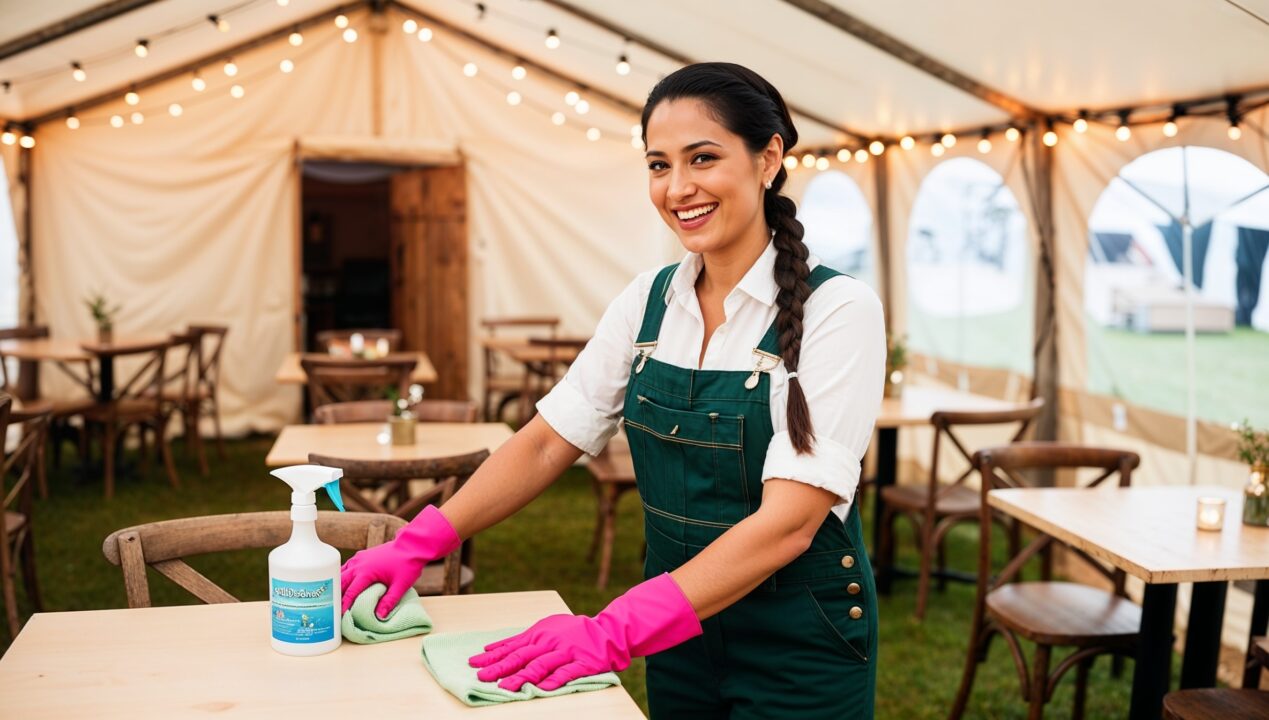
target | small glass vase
[
  {"x": 1256, "y": 497},
  {"x": 894, "y": 385},
  {"x": 402, "y": 428},
  {"x": 105, "y": 334}
]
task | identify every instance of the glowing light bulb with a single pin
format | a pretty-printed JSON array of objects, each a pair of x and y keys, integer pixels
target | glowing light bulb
[
  {"x": 283, "y": 3},
  {"x": 948, "y": 140},
  {"x": 410, "y": 26},
  {"x": 821, "y": 163},
  {"x": 1050, "y": 138},
  {"x": 1123, "y": 133},
  {"x": 790, "y": 163},
  {"x": 907, "y": 143},
  {"x": 1012, "y": 134},
  {"x": 552, "y": 40},
  {"x": 470, "y": 69},
  {"x": 571, "y": 97},
  {"x": 861, "y": 155},
  {"x": 350, "y": 35},
  {"x": 137, "y": 118},
  {"x": 1235, "y": 132},
  {"x": 513, "y": 98},
  {"x": 8, "y": 138},
  {"x": 623, "y": 65},
  {"x": 425, "y": 34},
  {"x": 221, "y": 24},
  {"x": 132, "y": 98},
  {"x": 592, "y": 134},
  {"x": 582, "y": 107},
  {"x": 843, "y": 155},
  {"x": 295, "y": 38},
  {"x": 937, "y": 149},
  {"x": 77, "y": 72},
  {"x": 984, "y": 146},
  {"x": 636, "y": 130},
  {"x": 27, "y": 141},
  {"x": 175, "y": 109},
  {"x": 231, "y": 69},
  {"x": 237, "y": 91},
  {"x": 1080, "y": 125},
  {"x": 876, "y": 147},
  {"x": 116, "y": 121},
  {"x": 341, "y": 21},
  {"x": 518, "y": 72},
  {"x": 808, "y": 160},
  {"x": 198, "y": 83},
  {"x": 558, "y": 118},
  {"x": 287, "y": 65},
  {"x": 142, "y": 49},
  {"x": 72, "y": 122},
  {"x": 636, "y": 143},
  {"x": 1169, "y": 128}
]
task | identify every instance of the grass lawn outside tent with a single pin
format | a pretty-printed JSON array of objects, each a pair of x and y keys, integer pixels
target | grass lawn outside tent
[{"x": 542, "y": 547}]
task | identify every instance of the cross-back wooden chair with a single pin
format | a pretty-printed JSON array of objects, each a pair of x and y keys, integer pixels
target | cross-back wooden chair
[
  {"x": 17, "y": 541},
  {"x": 454, "y": 411},
  {"x": 332, "y": 380},
  {"x": 934, "y": 507},
  {"x": 448, "y": 475},
  {"x": 540, "y": 377},
  {"x": 328, "y": 338},
  {"x": 164, "y": 545},
  {"x": 26, "y": 385},
  {"x": 136, "y": 402},
  {"x": 178, "y": 384},
  {"x": 204, "y": 393},
  {"x": 1048, "y": 613},
  {"x": 1249, "y": 701},
  {"x": 500, "y": 382}
]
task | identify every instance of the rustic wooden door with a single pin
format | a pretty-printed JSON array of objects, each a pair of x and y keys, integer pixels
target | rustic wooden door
[{"x": 429, "y": 271}]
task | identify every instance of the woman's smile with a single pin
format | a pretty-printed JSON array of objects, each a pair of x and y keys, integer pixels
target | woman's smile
[{"x": 691, "y": 217}]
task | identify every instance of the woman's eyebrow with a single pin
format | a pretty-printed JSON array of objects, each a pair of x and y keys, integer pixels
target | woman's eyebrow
[{"x": 686, "y": 148}]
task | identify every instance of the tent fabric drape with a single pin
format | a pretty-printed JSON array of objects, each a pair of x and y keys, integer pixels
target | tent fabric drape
[
  {"x": 19, "y": 195},
  {"x": 1250, "y": 258}
]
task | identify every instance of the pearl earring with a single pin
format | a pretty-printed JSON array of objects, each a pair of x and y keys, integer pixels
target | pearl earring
[{"x": 767, "y": 184}]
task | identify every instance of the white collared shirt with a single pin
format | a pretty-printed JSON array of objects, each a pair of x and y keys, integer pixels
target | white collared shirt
[{"x": 842, "y": 367}]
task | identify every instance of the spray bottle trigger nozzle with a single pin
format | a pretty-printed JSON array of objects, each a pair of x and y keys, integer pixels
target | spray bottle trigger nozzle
[{"x": 332, "y": 490}]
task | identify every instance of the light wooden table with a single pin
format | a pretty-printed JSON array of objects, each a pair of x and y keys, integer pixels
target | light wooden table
[
  {"x": 369, "y": 441},
  {"x": 204, "y": 660},
  {"x": 1150, "y": 533},
  {"x": 291, "y": 373},
  {"x": 913, "y": 409},
  {"x": 62, "y": 352}
]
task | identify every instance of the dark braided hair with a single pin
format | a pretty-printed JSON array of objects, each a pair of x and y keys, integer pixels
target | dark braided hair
[{"x": 749, "y": 106}]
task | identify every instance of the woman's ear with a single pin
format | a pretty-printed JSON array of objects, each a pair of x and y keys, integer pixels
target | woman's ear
[{"x": 772, "y": 156}]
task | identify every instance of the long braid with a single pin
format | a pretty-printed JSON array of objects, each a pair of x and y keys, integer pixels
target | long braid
[{"x": 791, "y": 273}]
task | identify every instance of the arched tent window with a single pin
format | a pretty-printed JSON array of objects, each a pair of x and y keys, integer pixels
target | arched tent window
[
  {"x": 1134, "y": 287},
  {"x": 838, "y": 224},
  {"x": 969, "y": 275},
  {"x": 8, "y": 257}
]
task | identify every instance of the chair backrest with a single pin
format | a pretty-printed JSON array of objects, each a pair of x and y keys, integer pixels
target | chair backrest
[
  {"x": 327, "y": 338},
  {"x": 550, "y": 323},
  {"x": 459, "y": 411},
  {"x": 448, "y": 473},
  {"x": 346, "y": 379},
  {"x": 18, "y": 468},
  {"x": 150, "y": 374},
  {"x": 27, "y": 384},
  {"x": 208, "y": 344},
  {"x": 1007, "y": 467},
  {"x": 946, "y": 423},
  {"x": 182, "y": 364},
  {"x": 164, "y": 545}
]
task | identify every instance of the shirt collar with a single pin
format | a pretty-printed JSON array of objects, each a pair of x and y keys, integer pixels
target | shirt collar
[{"x": 758, "y": 283}]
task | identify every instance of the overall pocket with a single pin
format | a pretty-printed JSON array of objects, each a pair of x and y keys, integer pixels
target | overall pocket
[{"x": 845, "y": 619}]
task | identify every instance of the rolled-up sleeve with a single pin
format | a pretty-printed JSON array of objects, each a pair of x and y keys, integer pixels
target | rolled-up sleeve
[
  {"x": 842, "y": 370},
  {"x": 584, "y": 407}
]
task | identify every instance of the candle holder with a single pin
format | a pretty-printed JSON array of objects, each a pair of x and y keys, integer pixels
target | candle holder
[
  {"x": 1211, "y": 513},
  {"x": 402, "y": 428}
]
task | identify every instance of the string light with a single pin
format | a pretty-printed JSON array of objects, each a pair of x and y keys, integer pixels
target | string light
[
  {"x": 513, "y": 98},
  {"x": 1081, "y": 123},
  {"x": 131, "y": 97},
  {"x": 623, "y": 65},
  {"x": 821, "y": 164},
  {"x": 27, "y": 141},
  {"x": 8, "y": 138},
  {"x": 230, "y": 68},
  {"x": 287, "y": 65},
  {"x": 1169, "y": 127},
  {"x": 558, "y": 118},
  {"x": 552, "y": 40},
  {"x": 470, "y": 69},
  {"x": 142, "y": 49},
  {"x": 77, "y": 72},
  {"x": 116, "y": 121},
  {"x": 843, "y": 155},
  {"x": 937, "y": 148},
  {"x": 1231, "y": 112},
  {"x": 218, "y": 22},
  {"x": 425, "y": 34},
  {"x": 592, "y": 134},
  {"x": 237, "y": 91},
  {"x": 175, "y": 109},
  {"x": 907, "y": 143},
  {"x": 948, "y": 140},
  {"x": 808, "y": 160},
  {"x": 876, "y": 147},
  {"x": 283, "y": 3},
  {"x": 72, "y": 122},
  {"x": 518, "y": 72},
  {"x": 350, "y": 35},
  {"x": 790, "y": 163},
  {"x": 1234, "y": 132},
  {"x": 861, "y": 155},
  {"x": 1049, "y": 138},
  {"x": 582, "y": 107},
  {"x": 1123, "y": 132},
  {"x": 1012, "y": 134},
  {"x": 480, "y": 11},
  {"x": 636, "y": 130},
  {"x": 637, "y": 143},
  {"x": 571, "y": 97},
  {"x": 137, "y": 118},
  {"x": 296, "y": 39},
  {"x": 410, "y": 26},
  {"x": 198, "y": 83},
  {"x": 984, "y": 143},
  {"x": 341, "y": 21}
]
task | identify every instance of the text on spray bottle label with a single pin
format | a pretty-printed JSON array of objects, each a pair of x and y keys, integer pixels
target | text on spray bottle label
[{"x": 303, "y": 612}]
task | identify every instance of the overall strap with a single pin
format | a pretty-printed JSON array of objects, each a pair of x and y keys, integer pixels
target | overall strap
[
  {"x": 654, "y": 312},
  {"x": 771, "y": 340}
]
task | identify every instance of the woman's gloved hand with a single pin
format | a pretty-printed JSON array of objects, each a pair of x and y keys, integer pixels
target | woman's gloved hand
[
  {"x": 649, "y": 618},
  {"x": 398, "y": 563}
]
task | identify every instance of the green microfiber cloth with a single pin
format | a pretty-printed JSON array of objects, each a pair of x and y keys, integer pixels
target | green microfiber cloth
[
  {"x": 408, "y": 618},
  {"x": 446, "y": 654}
]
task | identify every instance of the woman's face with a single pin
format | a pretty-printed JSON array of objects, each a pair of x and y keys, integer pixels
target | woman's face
[{"x": 702, "y": 179}]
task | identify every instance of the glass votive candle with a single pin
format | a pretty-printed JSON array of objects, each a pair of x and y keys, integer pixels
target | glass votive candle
[
  {"x": 357, "y": 343},
  {"x": 1211, "y": 513},
  {"x": 381, "y": 347}
]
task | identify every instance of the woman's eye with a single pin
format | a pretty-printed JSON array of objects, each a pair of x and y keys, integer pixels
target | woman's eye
[
  {"x": 657, "y": 165},
  {"x": 702, "y": 158}
]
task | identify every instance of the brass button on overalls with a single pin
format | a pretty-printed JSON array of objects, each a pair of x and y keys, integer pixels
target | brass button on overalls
[
  {"x": 848, "y": 561},
  {"x": 853, "y": 588},
  {"x": 856, "y": 612}
]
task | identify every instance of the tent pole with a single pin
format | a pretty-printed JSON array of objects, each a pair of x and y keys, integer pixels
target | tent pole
[
  {"x": 1187, "y": 269},
  {"x": 62, "y": 28},
  {"x": 881, "y": 211},
  {"x": 1046, "y": 355},
  {"x": 26, "y": 295}
]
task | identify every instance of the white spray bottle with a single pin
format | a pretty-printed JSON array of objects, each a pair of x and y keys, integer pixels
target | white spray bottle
[{"x": 304, "y": 573}]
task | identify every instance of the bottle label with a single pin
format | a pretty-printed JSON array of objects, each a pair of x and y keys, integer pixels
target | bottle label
[{"x": 303, "y": 612}]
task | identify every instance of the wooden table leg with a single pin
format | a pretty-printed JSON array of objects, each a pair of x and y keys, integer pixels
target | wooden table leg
[
  {"x": 1259, "y": 626},
  {"x": 1203, "y": 635},
  {"x": 1152, "y": 672},
  {"x": 887, "y": 463}
]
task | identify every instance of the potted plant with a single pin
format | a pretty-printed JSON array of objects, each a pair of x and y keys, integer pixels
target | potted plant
[
  {"x": 1253, "y": 449},
  {"x": 402, "y": 421},
  {"x": 103, "y": 315},
  {"x": 896, "y": 361}
]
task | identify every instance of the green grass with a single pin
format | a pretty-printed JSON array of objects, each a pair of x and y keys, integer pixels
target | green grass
[
  {"x": 541, "y": 547},
  {"x": 999, "y": 340}
]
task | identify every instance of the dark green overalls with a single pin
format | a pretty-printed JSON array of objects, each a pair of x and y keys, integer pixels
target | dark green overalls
[{"x": 801, "y": 646}]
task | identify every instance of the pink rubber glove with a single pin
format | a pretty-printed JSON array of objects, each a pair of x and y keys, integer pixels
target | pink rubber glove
[
  {"x": 398, "y": 564},
  {"x": 651, "y": 617}
]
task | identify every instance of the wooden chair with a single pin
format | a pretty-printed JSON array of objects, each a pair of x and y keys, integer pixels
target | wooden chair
[
  {"x": 501, "y": 383},
  {"x": 612, "y": 475},
  {"x": 1220, "y": 703},
  {"x": 1048, "y": 613},
  {"x": 26, "y": 386},
  {"x": 136, "y": 402},
  {"x": 328, "y": 338},
  {"x": 164, "y": 545},
  {"x": 448, "y": 475},
  {"x": 934, "y": 508},
  {"x": 17, "y": 541},
  {"x": 540, "y": 377},
  {"x": 458, "y": 411},
  {"x": 332, "y": 380},
  {"x": 203, "y": 397}
]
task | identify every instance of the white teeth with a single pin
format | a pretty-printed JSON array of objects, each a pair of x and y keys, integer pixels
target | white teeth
[{"x": 696, "y": 211}]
